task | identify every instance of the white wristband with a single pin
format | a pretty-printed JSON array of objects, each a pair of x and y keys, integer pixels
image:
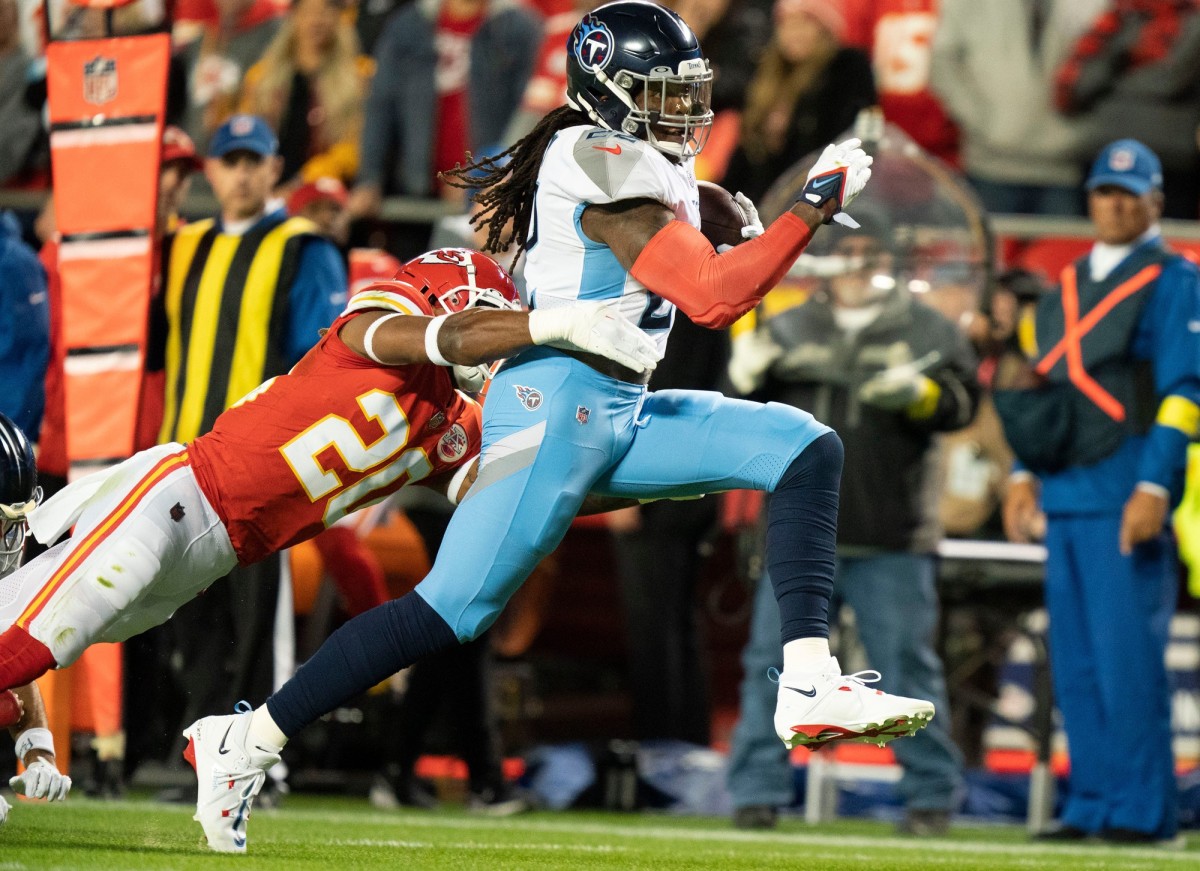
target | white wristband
[
  {"x": 431, "y": 345},
  {"x": 34, "y": 739},
  {"x": 1154, "y": 490},
  {"x": 369, "y": 338},
  {"x": 456, "y": 481}
]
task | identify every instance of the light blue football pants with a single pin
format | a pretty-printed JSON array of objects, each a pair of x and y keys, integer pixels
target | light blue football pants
[{"x": 554, "y": 429}]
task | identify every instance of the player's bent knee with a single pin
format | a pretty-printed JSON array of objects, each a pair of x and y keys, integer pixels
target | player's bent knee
[{"x": 819, "y": 465}]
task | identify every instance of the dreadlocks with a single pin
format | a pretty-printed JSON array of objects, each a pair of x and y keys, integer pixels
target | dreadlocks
[{"x": 505, "y": 182}]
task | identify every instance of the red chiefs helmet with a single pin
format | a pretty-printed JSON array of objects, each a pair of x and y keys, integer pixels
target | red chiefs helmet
[{"x": 453, "y": 279}]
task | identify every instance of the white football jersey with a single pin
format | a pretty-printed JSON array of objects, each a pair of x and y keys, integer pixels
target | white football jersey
[{"x": 588, "y": 165}]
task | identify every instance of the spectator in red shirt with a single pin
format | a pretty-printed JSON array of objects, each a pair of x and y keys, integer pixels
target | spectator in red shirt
[{"x": 898, "y": 35}]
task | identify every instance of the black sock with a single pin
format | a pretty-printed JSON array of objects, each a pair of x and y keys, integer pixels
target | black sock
[
  {"x": 373, "y": 646},
  {"x": 802, "y": 538}
]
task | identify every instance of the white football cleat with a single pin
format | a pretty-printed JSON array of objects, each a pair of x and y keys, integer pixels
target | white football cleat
[
  {"x": 230, "y": 771},
  {"x": 816, "y": 708}
]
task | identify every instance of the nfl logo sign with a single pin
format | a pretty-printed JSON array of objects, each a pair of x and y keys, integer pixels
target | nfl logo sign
[
  {"x": 100, "y": 80},
  {"x": 582, "y": 414}
]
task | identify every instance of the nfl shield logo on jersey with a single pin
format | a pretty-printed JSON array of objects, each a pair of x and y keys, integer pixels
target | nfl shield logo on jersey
[
  {"x": 100, "y": 80},
  {"x": 530, "y": 397},
  {"x": 582, "y": 414}
]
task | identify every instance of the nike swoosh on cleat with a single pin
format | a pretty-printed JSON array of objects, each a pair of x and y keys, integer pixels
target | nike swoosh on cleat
[
  {"x": 810, "y": 693},
  {"x": 223, "y": 749}
]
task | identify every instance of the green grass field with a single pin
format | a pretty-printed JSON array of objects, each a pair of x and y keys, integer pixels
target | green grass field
[{"x": 320, "y": 832}]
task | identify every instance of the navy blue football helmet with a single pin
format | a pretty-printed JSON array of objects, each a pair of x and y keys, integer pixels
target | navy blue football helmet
[
  {"x": 19, "y": 492},
  {"x": 636, "y": 67}
]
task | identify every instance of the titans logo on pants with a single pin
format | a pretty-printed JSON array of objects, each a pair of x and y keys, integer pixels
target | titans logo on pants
[{"x": 530, "y": 397}]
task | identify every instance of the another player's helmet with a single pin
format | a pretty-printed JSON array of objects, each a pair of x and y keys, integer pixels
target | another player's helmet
[
  {"x": 637, "y": 68},
  {"x": 19, "y": 493},
  {"x": 452, "y": 279}
]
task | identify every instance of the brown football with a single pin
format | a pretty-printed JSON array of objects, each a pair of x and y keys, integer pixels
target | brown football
[{"x": 721, "y": 218}]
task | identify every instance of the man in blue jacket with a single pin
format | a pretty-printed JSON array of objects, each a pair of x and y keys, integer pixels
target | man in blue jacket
[
  {"x": 1102, "y": 428},
  {"x": 24, "y": 329}
]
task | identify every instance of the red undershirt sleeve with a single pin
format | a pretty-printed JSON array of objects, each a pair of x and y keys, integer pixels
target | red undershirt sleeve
[{"x": 714, "y": 290}]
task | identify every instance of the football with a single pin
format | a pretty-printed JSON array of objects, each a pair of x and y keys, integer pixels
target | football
[{"x": 721, "y": 218}]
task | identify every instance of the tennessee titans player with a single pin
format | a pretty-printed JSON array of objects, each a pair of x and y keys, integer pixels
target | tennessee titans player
[{"x": 602, "y": 197}]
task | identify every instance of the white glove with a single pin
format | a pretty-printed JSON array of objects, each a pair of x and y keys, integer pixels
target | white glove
[
  {"x": 840, "y": 174},
  {"x": 752, "y": 355},
  {"x": 754, "y": 225},
  {"x": 597, "y": 328},
  {"x": 41, "y": 780},
  {"x": 5, "y": 807}
]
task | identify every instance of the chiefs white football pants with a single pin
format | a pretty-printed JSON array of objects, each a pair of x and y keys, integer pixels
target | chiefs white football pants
[{"x": 146, "y": 541}]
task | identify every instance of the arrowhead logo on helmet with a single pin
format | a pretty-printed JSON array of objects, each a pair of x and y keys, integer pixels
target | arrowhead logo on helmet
[{"x": 459, "y": 278}]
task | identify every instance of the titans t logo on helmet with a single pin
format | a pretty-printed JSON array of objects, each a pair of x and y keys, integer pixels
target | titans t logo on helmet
[
  {"x": 593, "y": 44},
  {"x": 636, "y": 67}
]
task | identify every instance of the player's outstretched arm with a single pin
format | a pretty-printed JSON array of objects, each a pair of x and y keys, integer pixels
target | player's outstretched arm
[
  {"x": 483, "y": 335},
  {"x": 35, "y": 748},
  {"x": 677, "y": 262}
]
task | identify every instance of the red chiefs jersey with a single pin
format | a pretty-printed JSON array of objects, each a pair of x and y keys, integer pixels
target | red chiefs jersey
[
  {"x": 335, "y": 434},
  {"x": 898, "y": 34}
]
